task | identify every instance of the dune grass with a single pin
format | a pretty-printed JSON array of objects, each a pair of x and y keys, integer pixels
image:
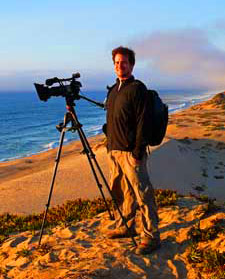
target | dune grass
[
  {"x": 75, "y": 210},
  {"x": 207, "y": 261},
  {"x": 210, "y": 262}
]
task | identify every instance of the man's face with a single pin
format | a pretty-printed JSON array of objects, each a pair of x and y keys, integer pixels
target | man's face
[{"x": 122, "y": 66}]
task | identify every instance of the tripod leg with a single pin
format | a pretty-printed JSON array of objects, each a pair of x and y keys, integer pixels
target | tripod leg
[
  {"x": 87, "y": 152},
  {"x": 90, "y": 156},
  {"x": 99, "y": 184},
  {"x": 113, "y": 199},
  {"x": 53, "y": 181}
]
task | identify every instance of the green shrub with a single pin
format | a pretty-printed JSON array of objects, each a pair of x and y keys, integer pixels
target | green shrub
[
  {"x": 211, "y": 262},
  {"x": 165, "y": 197}
]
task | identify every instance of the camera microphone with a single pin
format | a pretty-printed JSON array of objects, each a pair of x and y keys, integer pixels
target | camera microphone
[{"x": 51, "y": 81}]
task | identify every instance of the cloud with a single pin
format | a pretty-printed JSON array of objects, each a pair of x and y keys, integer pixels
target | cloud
[
  {"x": 177, "y": 59},
  {"x": 182, "y": 58}
]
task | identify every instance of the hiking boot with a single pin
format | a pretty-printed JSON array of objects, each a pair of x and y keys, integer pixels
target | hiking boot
[
  {"x": 147, "y": 246},
  {"x": 120, "y": 233}
]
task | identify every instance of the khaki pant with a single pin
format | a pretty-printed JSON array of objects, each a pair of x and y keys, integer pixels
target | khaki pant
[{"x": 132, "y": 189}]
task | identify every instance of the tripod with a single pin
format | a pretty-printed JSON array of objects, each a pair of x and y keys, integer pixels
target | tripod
[{"x": 71, "y": 116}]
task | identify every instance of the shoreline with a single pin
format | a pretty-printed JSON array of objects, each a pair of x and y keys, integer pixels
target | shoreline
[
  {"x": 185, "y": 105},
  {"x": 90, "y": 138},
  {"x": 192, "y": 154},
  {"x": 71, "y": 149}
]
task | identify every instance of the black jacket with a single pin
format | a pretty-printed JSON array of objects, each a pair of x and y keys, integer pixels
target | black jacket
[{"x": 126, "y": 117}]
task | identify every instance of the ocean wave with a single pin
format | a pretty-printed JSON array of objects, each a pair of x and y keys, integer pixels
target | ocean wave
[
  {"x": 94, "y": 129},
  {"x": 24, "y": 155},
  {"x": 176, "y": 107},
  {"x": 186, "y": 101},
  {"x": 53, "y": 144}
]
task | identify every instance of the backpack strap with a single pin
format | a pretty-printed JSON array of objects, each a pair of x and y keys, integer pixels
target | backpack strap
[{"x": 109, "y": 89}]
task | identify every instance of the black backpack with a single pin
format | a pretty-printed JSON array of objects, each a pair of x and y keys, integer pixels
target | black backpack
[{"x": 158, "y": 119}]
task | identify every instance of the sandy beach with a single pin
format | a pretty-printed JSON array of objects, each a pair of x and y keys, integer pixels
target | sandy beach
[
  {"x": 25, "y": 183},
  {"x": 192, "y": 154}
]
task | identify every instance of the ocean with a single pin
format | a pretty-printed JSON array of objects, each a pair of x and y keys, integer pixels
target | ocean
[{"x": 28, "y": 125}]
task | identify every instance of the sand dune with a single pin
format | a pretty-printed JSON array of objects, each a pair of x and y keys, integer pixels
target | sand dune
[
  {"x": 82, "y": 250},
  {"x": 182, "y": 165}
]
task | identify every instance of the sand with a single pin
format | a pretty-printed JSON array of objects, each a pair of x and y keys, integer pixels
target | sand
[
  {"x": 82, "y": 251},
  {"x": 192, "y": 155},
  {"x": 26, "y": 187}
]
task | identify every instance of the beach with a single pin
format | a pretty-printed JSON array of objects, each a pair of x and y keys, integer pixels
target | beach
[
  {"x": 25, "y": 183},
  {"x": 191, "y": 160},
  {"x": 192, "y": 154}
]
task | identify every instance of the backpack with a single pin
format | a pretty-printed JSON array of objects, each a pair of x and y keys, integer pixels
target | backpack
[{"x": 158, "y": 117}]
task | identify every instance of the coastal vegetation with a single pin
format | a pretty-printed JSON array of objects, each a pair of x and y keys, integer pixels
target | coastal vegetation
[
  {"x": 71, "y": 211},
  {"x": 208, "y": 261},
  {"x": 207, "y": 226}
]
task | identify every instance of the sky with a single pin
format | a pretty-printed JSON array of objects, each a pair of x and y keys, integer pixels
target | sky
[{"x": 178, "y": 44}]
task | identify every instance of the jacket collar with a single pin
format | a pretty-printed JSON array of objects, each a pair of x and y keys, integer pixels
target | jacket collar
[
  {"x": 121, "y": 84},
  {"x": 130, "y": 79}
]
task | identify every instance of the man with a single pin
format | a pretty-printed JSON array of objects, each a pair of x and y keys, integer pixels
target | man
[{"x": 127, "y": 111}]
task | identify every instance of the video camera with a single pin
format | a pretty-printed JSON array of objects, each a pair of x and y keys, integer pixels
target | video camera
[{"x": 69, "y": 91}]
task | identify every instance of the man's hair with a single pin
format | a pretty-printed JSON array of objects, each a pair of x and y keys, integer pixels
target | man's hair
[{"x": 125, "y": 51}]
